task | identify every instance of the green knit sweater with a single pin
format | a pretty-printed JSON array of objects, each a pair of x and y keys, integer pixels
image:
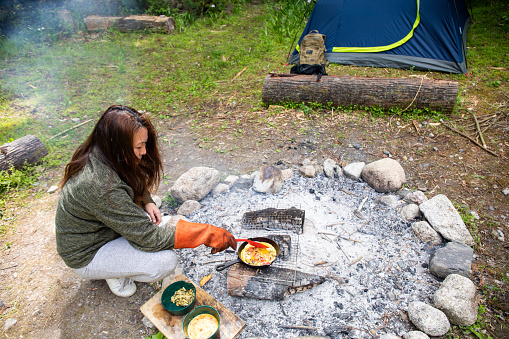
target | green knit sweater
[{"x": 95, "y": 206}]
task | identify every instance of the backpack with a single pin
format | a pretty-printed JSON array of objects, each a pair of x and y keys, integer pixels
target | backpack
[
  {"x": 312, "y": 48},
  {"x": 317, "y": 69}
]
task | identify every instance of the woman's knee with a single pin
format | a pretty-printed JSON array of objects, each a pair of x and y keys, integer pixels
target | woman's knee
[{"x": 164, "y": 265}]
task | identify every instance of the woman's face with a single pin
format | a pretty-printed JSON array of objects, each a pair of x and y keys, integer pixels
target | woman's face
[{"x": 140, "y": 142}]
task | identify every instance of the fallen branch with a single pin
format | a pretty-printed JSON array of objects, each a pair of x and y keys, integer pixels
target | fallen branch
[
  {"x": 478, "y": 129},
  {"x": 238, "y": 74},
  {"x": 469, "y": 138},
  {"x": 67, "y": 130},
  {"x": 299, "y": 327}
]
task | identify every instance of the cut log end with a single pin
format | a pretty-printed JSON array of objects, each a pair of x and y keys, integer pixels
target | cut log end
[{"x": 28, "y": 150}]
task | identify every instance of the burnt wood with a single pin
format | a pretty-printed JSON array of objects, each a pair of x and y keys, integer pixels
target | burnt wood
[
  {"x": 28, "y": 150},
  {"x": 271, "y": 283},
  {"x": 348, "y": 91}
]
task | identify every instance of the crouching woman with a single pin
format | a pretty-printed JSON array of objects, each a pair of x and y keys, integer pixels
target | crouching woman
[{"x": 106, "y": 222}]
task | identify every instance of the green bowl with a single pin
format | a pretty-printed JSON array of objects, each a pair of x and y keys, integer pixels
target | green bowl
[
  {"x": 170, "y": 291},
  {"x": 196, "y": 312}
]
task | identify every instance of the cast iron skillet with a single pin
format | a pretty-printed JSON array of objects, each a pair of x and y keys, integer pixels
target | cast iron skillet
[{"x": 241, "y": 247}]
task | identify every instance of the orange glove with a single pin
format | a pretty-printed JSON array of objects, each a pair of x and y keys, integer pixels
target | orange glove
[{"x": 191, "y": 235}]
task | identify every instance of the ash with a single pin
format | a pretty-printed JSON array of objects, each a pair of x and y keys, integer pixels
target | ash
[{"x": 373, "y": 267}]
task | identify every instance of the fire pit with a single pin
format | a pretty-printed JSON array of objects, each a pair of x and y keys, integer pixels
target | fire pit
[{"x": 345, "y": 274}]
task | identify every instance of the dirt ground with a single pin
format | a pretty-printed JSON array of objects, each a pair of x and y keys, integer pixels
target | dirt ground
[{"x": 49, "y": 301}]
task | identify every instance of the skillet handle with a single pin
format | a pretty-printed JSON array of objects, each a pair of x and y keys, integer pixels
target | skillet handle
[{"x": 227, "y": 264}]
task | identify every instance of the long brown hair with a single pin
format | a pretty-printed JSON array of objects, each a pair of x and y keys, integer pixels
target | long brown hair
[{"x": 113, "y": 137}]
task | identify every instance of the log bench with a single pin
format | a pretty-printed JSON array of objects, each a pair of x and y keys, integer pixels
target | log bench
[{"x": 348, "y": 91}]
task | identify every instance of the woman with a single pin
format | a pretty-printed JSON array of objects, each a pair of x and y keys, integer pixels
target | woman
[{"x": 102, "y": 227}]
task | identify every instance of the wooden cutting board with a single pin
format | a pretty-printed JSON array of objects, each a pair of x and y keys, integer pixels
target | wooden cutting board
[{"x": 171, "y": 325}]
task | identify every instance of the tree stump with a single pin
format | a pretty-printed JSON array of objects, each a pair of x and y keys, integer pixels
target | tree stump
[
  {"x": 27, "y": 150},
  {"x": 348, "y": 91},
  {"x": 161, "y": 24}
]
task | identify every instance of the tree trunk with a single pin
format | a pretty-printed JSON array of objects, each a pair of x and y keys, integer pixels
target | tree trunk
[
  {"x": 347, "y": 91},
  {"x": 27, "y": 150},
  {"x": 162, "y": 24}
]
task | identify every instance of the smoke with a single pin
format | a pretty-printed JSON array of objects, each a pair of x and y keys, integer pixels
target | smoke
[{"x": 40, "y": 20}]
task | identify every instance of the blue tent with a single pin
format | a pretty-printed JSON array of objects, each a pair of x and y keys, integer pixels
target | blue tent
[{"x": 423, "y": 35}]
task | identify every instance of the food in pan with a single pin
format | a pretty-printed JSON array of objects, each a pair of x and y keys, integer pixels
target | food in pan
[
  {"x": 258, "y": 256},
  {"x": 183, "y": 297},
  {"x": 202, "y": 326}
]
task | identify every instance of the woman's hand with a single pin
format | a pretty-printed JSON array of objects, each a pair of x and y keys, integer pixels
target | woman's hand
[{"x": 153, "y": 212}]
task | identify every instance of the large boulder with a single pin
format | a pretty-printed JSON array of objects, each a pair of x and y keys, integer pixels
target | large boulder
[
  {"x": 384, "y": 175},
  {"x": 195, "y": 184},
  {"x": 457, "y": 298},
  {"x": 445, "y": 219}
]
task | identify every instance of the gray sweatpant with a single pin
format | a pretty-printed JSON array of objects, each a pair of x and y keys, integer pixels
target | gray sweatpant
[{"x": 118, "y": 259}]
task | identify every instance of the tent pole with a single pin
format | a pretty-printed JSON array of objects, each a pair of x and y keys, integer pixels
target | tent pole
[{"x": 300, "y": 24}]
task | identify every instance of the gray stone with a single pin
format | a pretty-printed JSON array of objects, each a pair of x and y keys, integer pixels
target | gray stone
[
  {"x": 416, "y": 197},
  {"x": 454, "y": 258},
  {"x": 220, "y": 189},
  {"x": 389, "y": 200},
  {"x": 147, "y": 322},
  {"x": 384, "y": 175},
  {"x": 404, "y": 192},
  {"x": 410, "y": 212},
  {"x": 428, "y": 319},
  {"x": 52, "y": 189},
  {"x": 287, "y": 174},
  {"x": 309, "y": 337},
  {"x": 456, "y": 297},
  {"x": 195, "y": 184},
  {"x": 445, "y": 219},
  {"x": 188, "y": 207},
  {"x": 506, "y": 191},
  {"x": 389, "y": 336},
  {"x": 173, "y": 220},
  {"x": 329, "y": 168},
  {"x": 307, "y": 171},
  {"x": 230, "y": 179},
  {"x": 498, "y": 234},
  {"x": 9, "y": 323},
  {"x": 157, "y": 200},
  {"x": 268, "y": 180},
  {"x": 306, "y": 162},
  {"x": 243, "y": 182},
  {"x": 425, "y": 233},
  {"x": 415, "y": 335},
  {"x": 354, "y": 170}
]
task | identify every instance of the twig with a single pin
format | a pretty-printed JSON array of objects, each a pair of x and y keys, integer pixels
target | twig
[
  {"x": 298, "y": 327},
  {"x": 357, "y": 230},
  {"x": 469, "y": 138},
  {"x": 478, "y": 129},
  {"x": 211, "y": 262},
  {"x": 67, "y": 130},
  {"x": 347, "y": 192},
  {"x": 238, "y": 74},
  {"x": 415, "y": 97},
  {"x": 6, "y": 268},
  {"x": 355, "y": 261}
]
